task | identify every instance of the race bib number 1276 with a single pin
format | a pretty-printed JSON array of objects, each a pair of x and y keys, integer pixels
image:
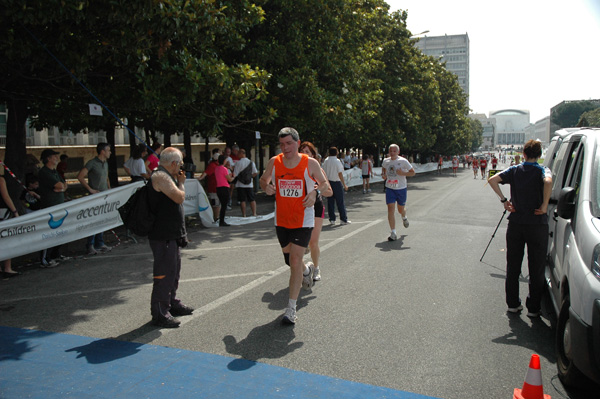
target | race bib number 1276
[{"x": 290, "y": 188}]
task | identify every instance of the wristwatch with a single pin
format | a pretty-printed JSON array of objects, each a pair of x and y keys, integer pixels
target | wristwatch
[{"x": 504, "y": 200}]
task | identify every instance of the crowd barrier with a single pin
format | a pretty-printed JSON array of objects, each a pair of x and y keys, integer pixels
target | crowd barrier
[{"x": 96, "y": 213}]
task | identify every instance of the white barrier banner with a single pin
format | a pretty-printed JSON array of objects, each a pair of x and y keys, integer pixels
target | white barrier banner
[
  {"x": 353, "y": 177},
  {"x": 96, "y": 213},
  {"x": 63, "y": 223}
]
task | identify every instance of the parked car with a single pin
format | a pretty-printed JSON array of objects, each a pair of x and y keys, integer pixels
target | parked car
[{"x": 573, "y": 271}]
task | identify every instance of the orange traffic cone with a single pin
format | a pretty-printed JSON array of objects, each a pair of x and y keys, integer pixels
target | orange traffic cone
[{"x": 532, "y": 387}]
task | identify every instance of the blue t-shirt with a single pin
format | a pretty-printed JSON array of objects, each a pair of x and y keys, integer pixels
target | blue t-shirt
[{"x": 526, "y": 191}]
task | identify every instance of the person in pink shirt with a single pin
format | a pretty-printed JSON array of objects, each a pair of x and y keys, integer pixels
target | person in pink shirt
[{"x": 223, "y": 178}]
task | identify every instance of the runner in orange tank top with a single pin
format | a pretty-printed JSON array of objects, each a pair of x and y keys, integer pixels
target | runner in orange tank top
[{"x": 291, "y": 177}]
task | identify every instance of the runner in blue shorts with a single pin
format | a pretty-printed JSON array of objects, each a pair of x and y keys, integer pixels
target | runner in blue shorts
[{"x": 394, "y": 171}]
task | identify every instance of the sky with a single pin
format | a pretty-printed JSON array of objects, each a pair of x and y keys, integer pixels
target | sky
[{"x": 525, "y": 54}]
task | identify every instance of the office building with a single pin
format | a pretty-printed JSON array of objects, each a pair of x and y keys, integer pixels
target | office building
[{"x": 451, "y": 49}]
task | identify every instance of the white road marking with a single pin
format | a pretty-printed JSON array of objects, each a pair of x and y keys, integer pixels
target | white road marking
[{"x": 242, "y": 290}]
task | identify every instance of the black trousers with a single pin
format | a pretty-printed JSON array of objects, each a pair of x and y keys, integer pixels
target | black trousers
[
  {"x": 535, "y": 236},
  {"x": 223, "y": 194},
  {"x": 167, "y": 268}
]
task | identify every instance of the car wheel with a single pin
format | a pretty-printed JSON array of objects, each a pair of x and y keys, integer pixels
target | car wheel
[{"x": 568, "y": 373}]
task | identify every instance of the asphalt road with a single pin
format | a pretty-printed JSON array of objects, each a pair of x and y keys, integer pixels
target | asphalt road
[{"x": 421, "y": 314}]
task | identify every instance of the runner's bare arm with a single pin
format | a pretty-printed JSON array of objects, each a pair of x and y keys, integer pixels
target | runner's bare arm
[
  {"x": 265, "y": 179},
  {"x": 317, "y": 173}
]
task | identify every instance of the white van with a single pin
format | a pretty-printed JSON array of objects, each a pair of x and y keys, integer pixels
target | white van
[{"x": 573, "y": 272}]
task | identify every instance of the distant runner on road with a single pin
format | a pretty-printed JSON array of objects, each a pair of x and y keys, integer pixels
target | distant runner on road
[{"x": 394, "y": 171}]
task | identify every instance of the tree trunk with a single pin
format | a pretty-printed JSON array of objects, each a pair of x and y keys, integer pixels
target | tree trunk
[
  {"x": 207, "y": 153},
  {"x": 132, "y": 140},
  {"x": 187, "y": 143},
  {"x": 167, "y": 142},
  {"x": 16, "y": 148},
  {"x": 113, "y": 176}
]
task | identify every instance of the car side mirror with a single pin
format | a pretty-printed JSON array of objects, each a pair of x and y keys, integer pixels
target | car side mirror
[{"x": 566, "y": 203}]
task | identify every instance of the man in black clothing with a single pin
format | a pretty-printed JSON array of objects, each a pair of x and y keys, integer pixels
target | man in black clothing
[
  {"x": 166, "y": 196},
  {"x": 52, "y": 192},
  {"x": 530, "y": 189}
]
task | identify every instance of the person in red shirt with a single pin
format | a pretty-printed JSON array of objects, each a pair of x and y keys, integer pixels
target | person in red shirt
[
  {"x": 475, "y": 167},
  {"x": 494, "y": 162},
  {"x": 483, "y": 167}
]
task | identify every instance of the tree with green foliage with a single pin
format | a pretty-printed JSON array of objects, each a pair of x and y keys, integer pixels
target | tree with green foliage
[
  {"x": 568, "y": 113},
  {"x": 474, "y": 134},
  {"x": 590, "y": 118},
  {"x": 158, "y": 61}
]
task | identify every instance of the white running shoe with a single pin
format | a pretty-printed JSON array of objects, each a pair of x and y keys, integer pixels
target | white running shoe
[
  {"x": 405, "y": 222},
  {"x": 289, "y": 317},
  {"x": 515, "y": 310},
  {"x": 317, "y": 274},
  {"x": 392, "y": 237},
  {"x": 307, "y": 279}
]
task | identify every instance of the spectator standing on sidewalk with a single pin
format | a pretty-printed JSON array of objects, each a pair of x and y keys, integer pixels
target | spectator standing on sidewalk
[
  {"x": 166, "y": 237},
  {"x": 52, "y": 192},
  {"x": 394, "y": 171},
  {"x": 135, "y": 165},
  {"x": 245, "y": 191},
  {"x": 152, "y": 160},
  {"x": 530, "y": 189},
  {"x": 223, "y": 178},
  {"x": 62, "y": 166},
  {"x": 291, "y": 177},
  {"x": 334, "y": 170},
  {"x": 8, "y": 210},
  {"x": 96, "y": 171},
  {"x": 211, "y": 183}
]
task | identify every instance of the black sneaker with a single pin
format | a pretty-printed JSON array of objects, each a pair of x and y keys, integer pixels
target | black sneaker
[
  {"x": 181, "y": 310},
  {"x": 165, "y": 322}
]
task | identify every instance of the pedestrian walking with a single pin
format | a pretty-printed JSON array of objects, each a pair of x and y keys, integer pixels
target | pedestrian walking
[
  {"x": 167, "y": 235},
  {"x": 530, "y": 189},
  {"x": 475, "y": 167},
  {"x": 334, "y": 170},
  {"x": 394, "y": 171},
  {"x": 291, "y": 177}
]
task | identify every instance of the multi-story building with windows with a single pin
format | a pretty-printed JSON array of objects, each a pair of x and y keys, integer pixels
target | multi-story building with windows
[{"x": 451, "y": 49}]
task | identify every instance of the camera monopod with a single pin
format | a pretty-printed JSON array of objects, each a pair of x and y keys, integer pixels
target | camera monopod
[{"x": 493, "y": 235}]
